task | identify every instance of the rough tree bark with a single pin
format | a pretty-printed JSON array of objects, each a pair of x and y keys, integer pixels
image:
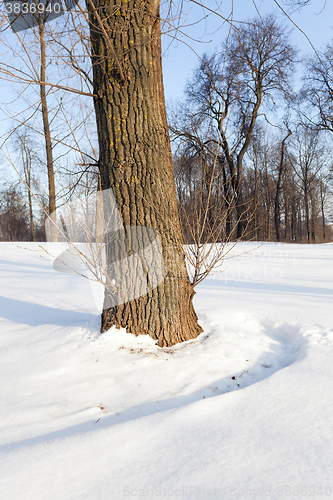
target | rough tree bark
[{"x": 135, "y": 159}]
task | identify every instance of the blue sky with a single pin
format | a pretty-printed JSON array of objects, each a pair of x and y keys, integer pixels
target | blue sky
[
  {"x": 202, "y": 31},
  {"x": 179, "y": 59}
]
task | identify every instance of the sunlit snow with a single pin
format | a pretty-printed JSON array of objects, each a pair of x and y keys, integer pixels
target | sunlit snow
[{"x": 243, "y": 411}]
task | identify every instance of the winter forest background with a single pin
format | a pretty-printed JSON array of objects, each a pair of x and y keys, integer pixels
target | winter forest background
[{"x": 251, "y": 136}]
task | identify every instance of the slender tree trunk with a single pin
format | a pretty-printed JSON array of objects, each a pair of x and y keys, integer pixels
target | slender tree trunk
[
  {"x": 256, "y": 201},
  {"x": 135, "y": 160},
  {"x": 286, "y": 208},
  {"x": 322, "y": 200},
  {"x": 292, "y": 222},
  {"x": 32, "y": 225},
  {"x": 26, "y": 159},
  {"x": 240, "y": 206},
  {"x": 307, "y": 213},
  {"x": 208, "y": 198},
  {"x": 313, "y": 216},
  {"x": 286, "y": 216},
  {"x": 269, "y": 203},
  {"x": 227, "y": 190},
  {"x": 47, "y": 133},
  {"x": 277, "y": 219}
]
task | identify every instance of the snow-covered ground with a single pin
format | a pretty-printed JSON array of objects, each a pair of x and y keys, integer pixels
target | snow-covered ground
[{"x": 243, "y": 411}]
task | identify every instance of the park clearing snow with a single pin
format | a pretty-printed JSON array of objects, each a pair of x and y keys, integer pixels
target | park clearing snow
[{"x": 243, "y": 411}]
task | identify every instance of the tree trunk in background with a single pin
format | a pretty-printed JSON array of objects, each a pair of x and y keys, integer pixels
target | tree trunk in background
[
  {"x": 268, "y": 203},
  {"x": 313, "y": 217},
  {"x": 307, "y": 213},
  {"x": 322, "y": 200},
  {"x": 256, "y": 201},
  {"x": 31, "y": 214},
  {"x": 227, "y": 189},
  {"x": 286, "y": 213},
  {"x": 27, "y": 168},
  {"x": 47, "y": 133},
  {"x": 277, "y": 218},
  {"x": 135, "y": 159}
]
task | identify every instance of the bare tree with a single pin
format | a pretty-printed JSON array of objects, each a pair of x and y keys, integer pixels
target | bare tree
[
  {"x": 45, "y": 115},
  {"x": 45, "y": 61},
  {"x": 230, "y": 88},
  {"x": 323, "y": 193},
  {"x": 309, "y": 162},
  {"x": 317, "y": 92},
  {"x": 259, "y": 182},
  {"x": 27, "y": 157},
  {"x": 281, "y": 168},
  {"x": 203, "y": 209},
  {"x": 14, "y": 218}
]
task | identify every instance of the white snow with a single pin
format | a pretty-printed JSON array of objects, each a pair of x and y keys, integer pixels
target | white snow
[{"x": 243, "y": 411}]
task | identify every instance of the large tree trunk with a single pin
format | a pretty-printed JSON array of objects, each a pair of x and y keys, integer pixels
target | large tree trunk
[{"x": 135, "y": 160}]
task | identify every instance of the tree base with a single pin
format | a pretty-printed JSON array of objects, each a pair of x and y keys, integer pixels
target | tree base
[{"x": 145, "y": 316}]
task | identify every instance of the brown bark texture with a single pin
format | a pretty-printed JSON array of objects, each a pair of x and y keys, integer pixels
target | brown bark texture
[{"x": 135, "y": 160}]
